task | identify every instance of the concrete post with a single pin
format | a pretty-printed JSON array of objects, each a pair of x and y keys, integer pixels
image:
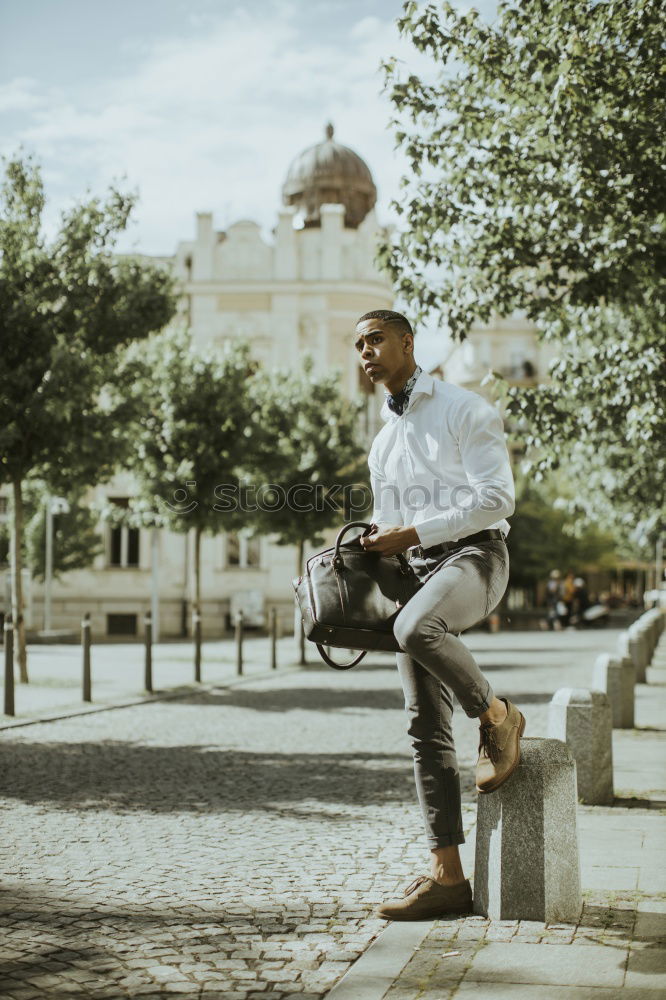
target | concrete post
[
  {"x": 651, "y": 628},
  {"x": 644, "y": 646},
  {"x": 583, "y": 720},
  {"x": 274, "y": 636},
  {"x": 239, "y": 643},
  {"x": 615, "y": 676},
  {"x": 86, "y": 638},
  {"x": 648, "y": 621},
  {"x": 638, "y": 651},
  {"x": 527, "y": 863},
  {"x": 629, "y": 647},
  {"x": 148, "y": 652},
  {"x": 9, "y": 667}
]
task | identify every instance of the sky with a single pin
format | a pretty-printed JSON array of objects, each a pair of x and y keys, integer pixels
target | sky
[{"x": 197, "y": 105}]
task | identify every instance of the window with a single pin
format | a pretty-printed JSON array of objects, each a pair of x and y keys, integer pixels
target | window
[
  {"x": 243, "y": 551},
  {"x": 233, "y": 549},
  {"x": 123, "y": 541},
  {"x": 121, "y": 624},
  {"x": 253, "y": 552}
]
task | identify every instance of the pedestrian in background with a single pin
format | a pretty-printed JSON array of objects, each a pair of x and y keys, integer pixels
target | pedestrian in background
[
  {"x": 553, "y": 600},
  {"x": 568, "y": 591},
  {"x": 580, "y": 602}
]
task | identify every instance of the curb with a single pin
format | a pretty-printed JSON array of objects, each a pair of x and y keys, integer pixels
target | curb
[
  {"x": 149, "y": 699},
  {"x": 373, "y": 974}
]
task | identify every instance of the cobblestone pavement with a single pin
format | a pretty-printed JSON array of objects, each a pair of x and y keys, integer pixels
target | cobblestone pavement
[{"x": 229, "y": 844}]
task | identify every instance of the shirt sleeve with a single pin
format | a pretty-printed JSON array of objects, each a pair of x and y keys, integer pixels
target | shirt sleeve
[
  {"x": 386, "y": 498},
  {"x": 490, "y": 495}
]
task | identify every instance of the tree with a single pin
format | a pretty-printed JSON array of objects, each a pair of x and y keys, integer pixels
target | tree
[
  {"x": 602, "y": 420},
  {"x": 537, "y": 154},
  {"x": 76, "y": 539},
  {"x": 537, "y": 157},
  {"x": 67, "y": 308},
  {"x": 192, "y": 435},
  {"x": 542, "y": 539},
  {"x": 309, "y": 467}
]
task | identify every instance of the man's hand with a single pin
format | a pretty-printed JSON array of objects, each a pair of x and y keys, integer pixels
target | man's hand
[{"x": 389, "y": 539}]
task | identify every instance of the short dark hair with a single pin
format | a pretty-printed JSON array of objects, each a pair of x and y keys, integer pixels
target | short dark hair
[{"x": 388, "y": 316}]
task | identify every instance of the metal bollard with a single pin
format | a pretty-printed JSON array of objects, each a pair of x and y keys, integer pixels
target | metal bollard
[
  {"x": 273, "y": 638},
  {"x": 148, "y": 663},
  {"x": 239, "y": 643},
  {"x": 85, "y": 644},
  {"x": 196, "y": 628},
  {"x": 9, "y": 667}
]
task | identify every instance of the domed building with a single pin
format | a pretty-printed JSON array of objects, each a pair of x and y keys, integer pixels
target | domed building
[
  {"x": 305, "y": 288},
  {"x": 328, "y": 173},
  {"x": 302, "y": 290}
]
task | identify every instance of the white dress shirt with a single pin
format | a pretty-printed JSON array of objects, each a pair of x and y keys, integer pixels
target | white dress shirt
[{"x": 443, "y": 465}]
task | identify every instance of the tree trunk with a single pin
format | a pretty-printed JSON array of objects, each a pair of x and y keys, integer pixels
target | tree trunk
[
  {"x": 20, "y": 651},
  {"x": 155, "y": 583},
  {"x": 197, "y": 571},
  {"x": 196, "y": 609}
]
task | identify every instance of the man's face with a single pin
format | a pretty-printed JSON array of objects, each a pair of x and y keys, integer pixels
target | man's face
[{"x": 382, "y": 348}]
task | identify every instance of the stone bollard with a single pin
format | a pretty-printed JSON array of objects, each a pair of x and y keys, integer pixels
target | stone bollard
[
  {"x": 623, "y": 651},
  {"x": 635, "y": 652},
  {"x": 653, "y": 629},
  {"x": 659, "y": 655},
  {"x": 645, "y": 634},
  {"x": 527, "y": 865},
  {"x": 653, "y": 636},
  {"x": 643, "y": 644},
  {"x": 615, "y": 676},
  {"x": 583, "y": 720}
]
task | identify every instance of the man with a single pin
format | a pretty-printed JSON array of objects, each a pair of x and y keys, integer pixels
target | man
[{"x": 442, "y": 488}]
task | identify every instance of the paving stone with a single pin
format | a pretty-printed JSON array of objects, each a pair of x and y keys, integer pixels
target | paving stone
[
  {"x": 646, "y": 967},
  {"x": 166, "y": 818},
  {"x": 559, "y": 965}
]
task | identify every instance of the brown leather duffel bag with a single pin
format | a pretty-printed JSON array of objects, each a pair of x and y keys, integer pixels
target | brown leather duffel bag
[{"x": 350, "y": 598}]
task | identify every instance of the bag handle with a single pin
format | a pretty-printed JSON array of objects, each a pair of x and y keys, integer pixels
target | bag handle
[
  {"x": 337, "y": 560},
  {"x": 339, "y": 666}
]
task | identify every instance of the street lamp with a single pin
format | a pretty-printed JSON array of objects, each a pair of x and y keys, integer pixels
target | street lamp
[{"x": 54, "y": 505}]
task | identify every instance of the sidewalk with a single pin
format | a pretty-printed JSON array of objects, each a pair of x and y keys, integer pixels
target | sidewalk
[
  {"x": 55, "y": 672},
  {"x": 618, "y": 948},
  {"x": 230, "y": 841}
]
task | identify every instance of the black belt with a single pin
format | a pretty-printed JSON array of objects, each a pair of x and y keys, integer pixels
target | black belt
[{"x": 436, "y": 550}]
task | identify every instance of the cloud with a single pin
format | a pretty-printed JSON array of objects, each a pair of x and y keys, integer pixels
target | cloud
[
  {"x": 20, "y": 95},
  {"x": 212, "y": 121}
]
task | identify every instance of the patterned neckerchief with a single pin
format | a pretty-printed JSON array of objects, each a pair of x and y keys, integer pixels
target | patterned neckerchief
[{"x": 398, "y": 402}]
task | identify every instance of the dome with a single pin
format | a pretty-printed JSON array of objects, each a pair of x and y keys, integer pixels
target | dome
[{"x": 330, "y": 173}]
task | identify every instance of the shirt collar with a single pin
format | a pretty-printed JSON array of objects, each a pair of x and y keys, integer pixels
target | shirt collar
[{"x": 424, "y": 385}]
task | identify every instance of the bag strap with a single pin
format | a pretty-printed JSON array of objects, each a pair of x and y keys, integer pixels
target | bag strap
[
  {"x": 337, "y": 560},
  {"x": 339, "y": 666}
]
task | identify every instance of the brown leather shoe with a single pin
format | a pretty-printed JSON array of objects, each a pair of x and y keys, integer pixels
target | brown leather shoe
[
  {"x": 425, "y": 899},
  {"x": 499, "y": 749}
]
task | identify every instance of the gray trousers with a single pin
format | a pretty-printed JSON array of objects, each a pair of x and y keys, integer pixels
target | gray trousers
[{"x": 460, "y": 588}]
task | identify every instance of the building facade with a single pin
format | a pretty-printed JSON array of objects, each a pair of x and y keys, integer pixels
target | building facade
[{"x": 301, "y": 290}]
